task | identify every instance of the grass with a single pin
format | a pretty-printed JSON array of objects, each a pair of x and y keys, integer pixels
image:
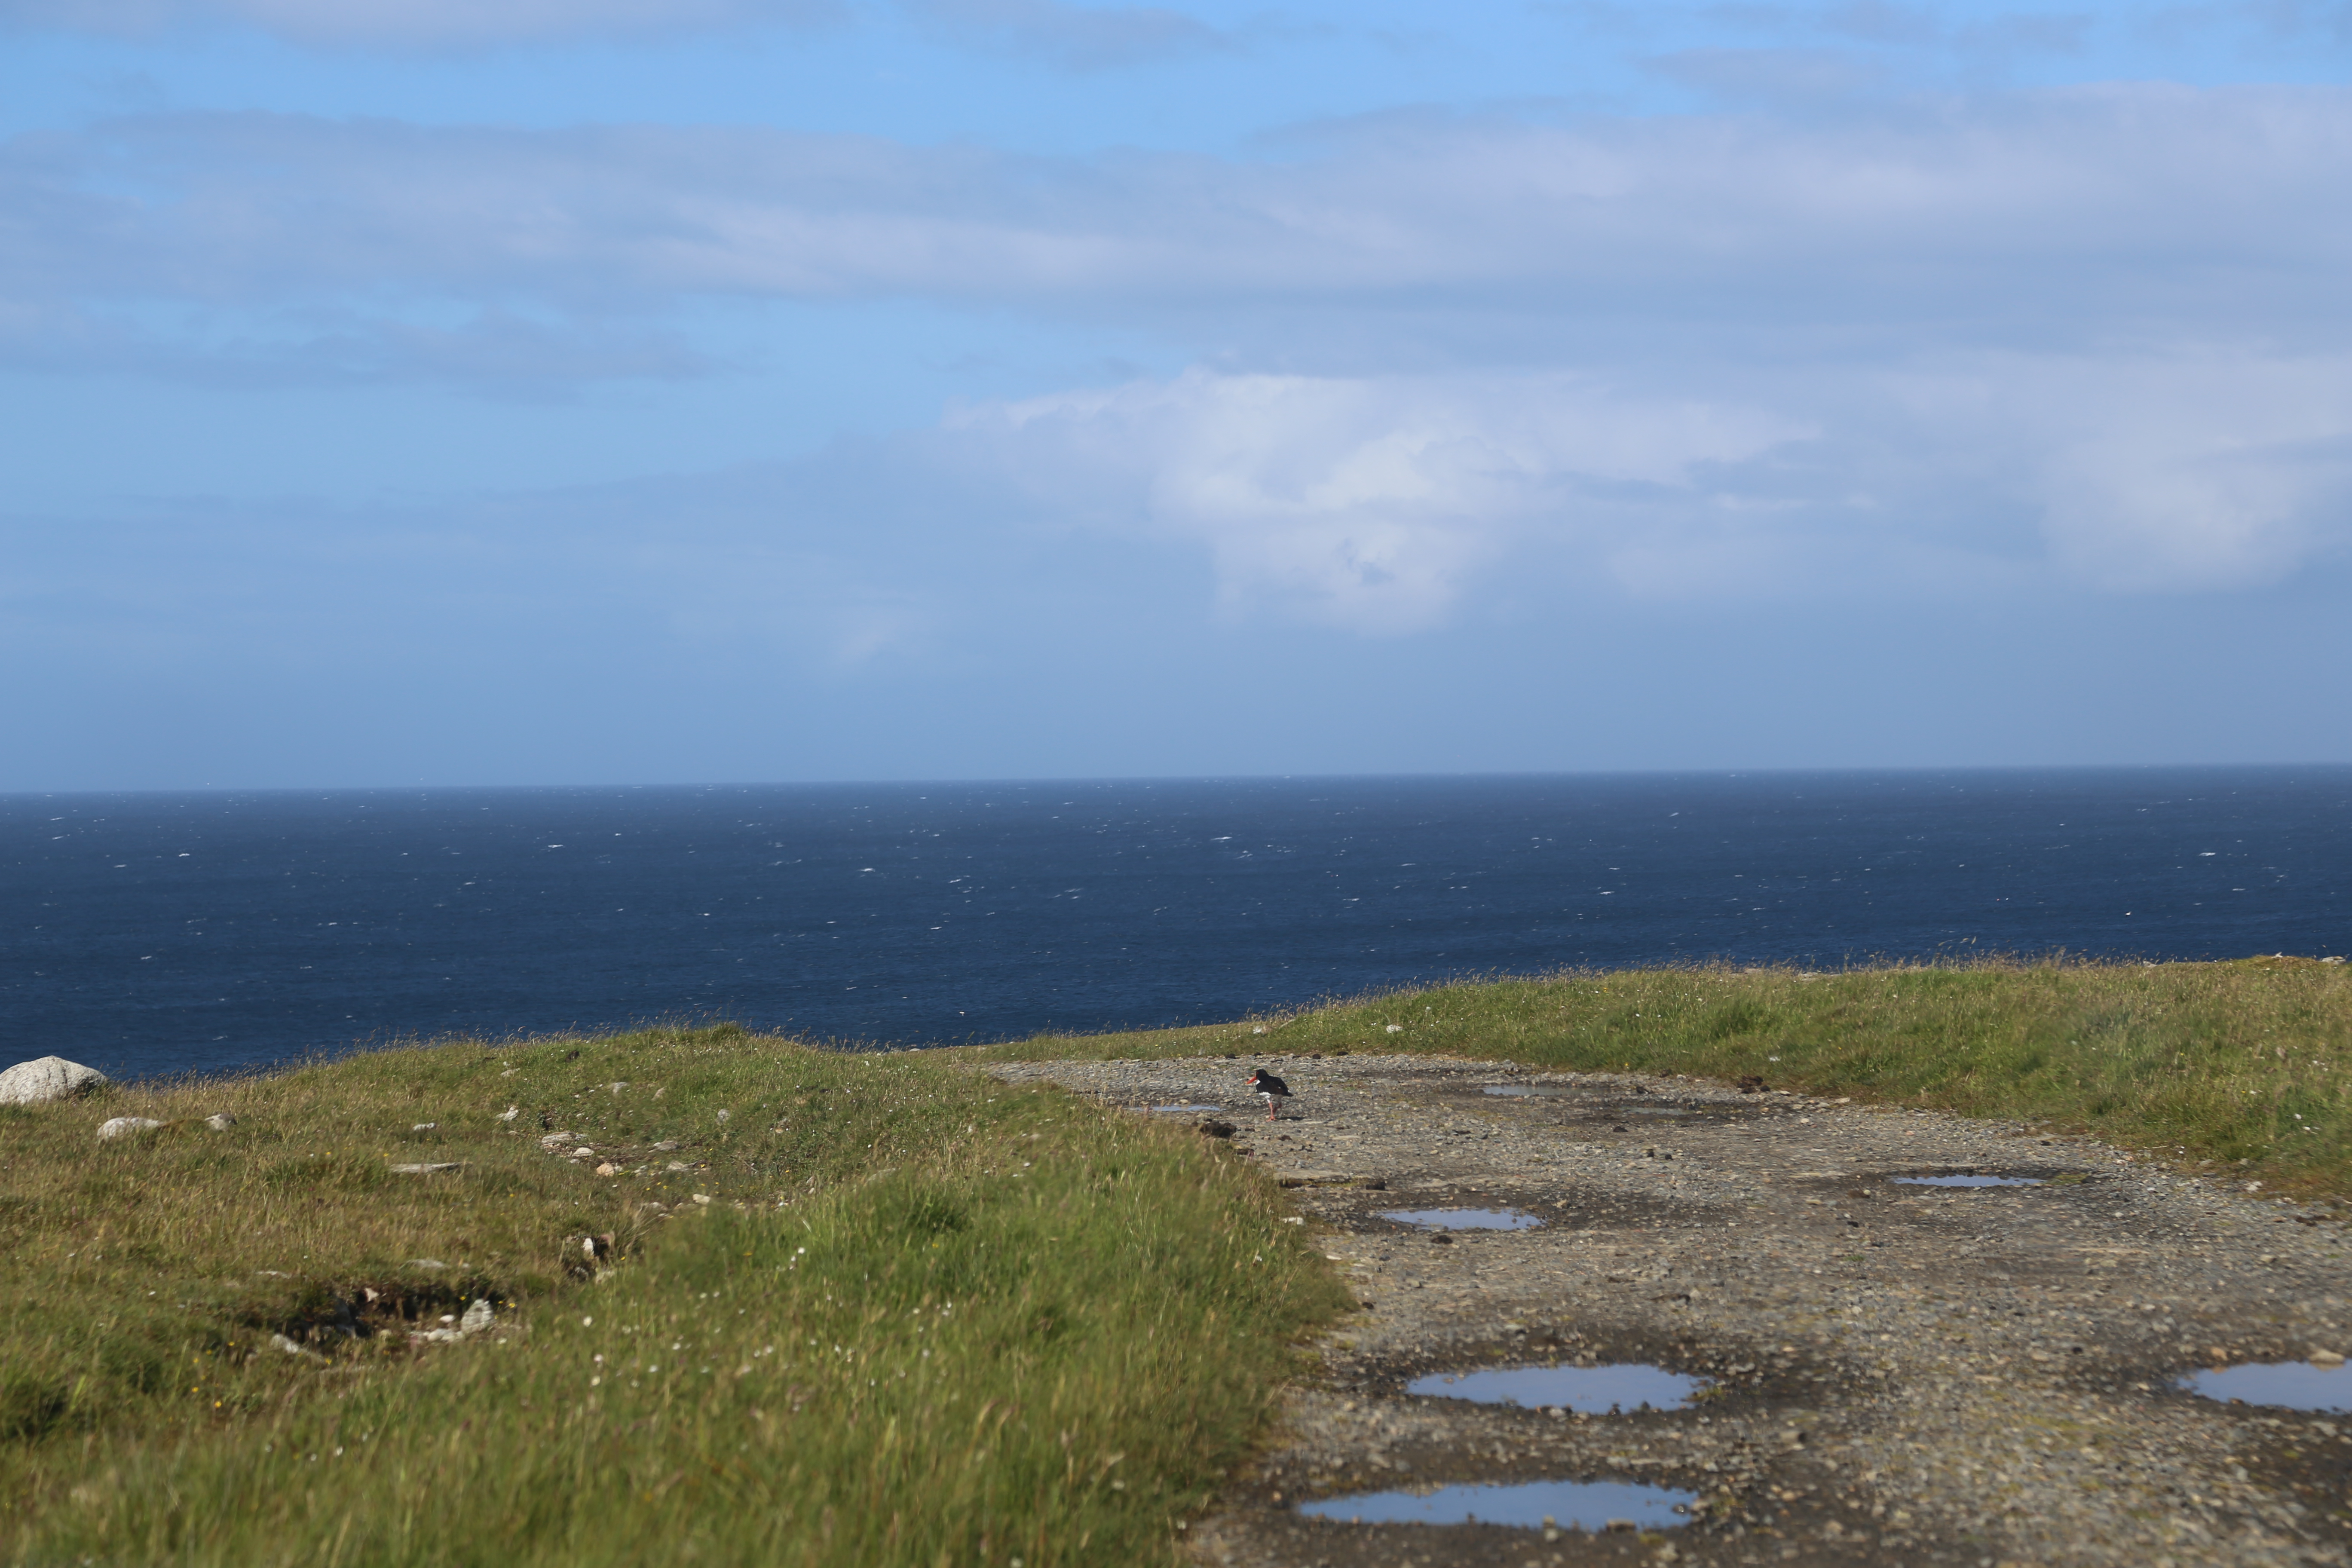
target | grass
[
  {"x": 889, "y": 1311},
  {"x": 2239, "y": 1064},
  {"x": 922, "y": 1318}
]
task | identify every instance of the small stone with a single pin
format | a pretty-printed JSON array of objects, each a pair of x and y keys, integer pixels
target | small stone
[
  {"x": 608, "y": 1168},
  {"x": 220, "y": 1122},
  {"x": 702, "y": 1197},
  {"x": 124, "y": 1126},
  {"x": 45, "y": 1078},
  {"x": 434, "y": 1169},
  {"x": 616, "y": 1087},
  {"x": 666, "y": 1146},
  {"x": 2326, "y": 1358},
  {"x": 584, "y": 1152},
  {"x": 477, "y": 1318},
  {"x": 676, "y": 1166},
  {"x": 722, "y": 1116},
  {"x": 425, "y": 1127},
  {"x": 510, "y": 1113},
  {"x": 279, "y": 1342},
  {"x": 1396, "y": 1028}
]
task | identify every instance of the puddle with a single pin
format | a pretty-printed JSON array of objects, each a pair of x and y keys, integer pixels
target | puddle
[
  {"x": 1970, "y": 1180},
  {"x": 1185, "y": 1110},
  {"x": 1595, "y": 1390},
  {"x": 1653, "y": 1111},
  {"x": 1515, "y": 1091},
  {"x": 1570, "y": 1505},
  {"x": 1464, "y": 1219},
  {"x": 2289, "y": 1385}
]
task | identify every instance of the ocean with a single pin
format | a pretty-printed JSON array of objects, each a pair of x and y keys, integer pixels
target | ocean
[{"x": 159, "y": 934}]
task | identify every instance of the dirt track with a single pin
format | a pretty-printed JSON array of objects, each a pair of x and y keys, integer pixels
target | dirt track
[{"x": 1901, "y": 1375}]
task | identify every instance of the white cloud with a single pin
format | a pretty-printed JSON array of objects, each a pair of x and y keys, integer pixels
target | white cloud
[
  {"x": 1945, "y": 343},
  {"x": 2072, "y": 210},
  {"x": 1384, "y": 505},
  {"x": 1369, "y": 503}
]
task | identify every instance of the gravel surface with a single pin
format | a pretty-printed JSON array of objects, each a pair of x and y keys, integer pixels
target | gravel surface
[{"x": 1899, "y": 1373}]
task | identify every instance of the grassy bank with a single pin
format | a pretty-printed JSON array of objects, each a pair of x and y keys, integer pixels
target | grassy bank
[
  {"x": 2239, "y": 1064},
  {"x": 920, "y": 1319}
]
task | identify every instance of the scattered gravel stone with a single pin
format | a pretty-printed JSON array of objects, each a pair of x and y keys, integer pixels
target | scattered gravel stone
[
  {"x": 434, "y": 1169},
  {"x": 1900, "y": 1374}
]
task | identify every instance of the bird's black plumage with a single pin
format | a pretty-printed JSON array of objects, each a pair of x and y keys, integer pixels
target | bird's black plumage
[{"x": 1270, "y": 1089}]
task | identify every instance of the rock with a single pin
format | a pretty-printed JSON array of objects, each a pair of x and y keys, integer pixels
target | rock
[
  {"x": 676, "y": 1166},
  {"x": 45, "y": 1078},
  {"x": 425, "y": 1127},
  {"x": 477, "y": 1318},
  {"x": 426, "y": 1263},
  {"x": 2326, "y": 1358},
  {"x": 509, "y": 1113},
  {"x": 608, "y": 1168},
  {"x": 584, "y": 1152},
  {"x": 124, "y": 1126},
  {"x": 1217, "y": 1129},
  {"x": 431, "y": 1170},
  {"x": 666, "y": 1146},
  {"x": 279, "y": 1342},
  {"x": 220, "y": 1122}
]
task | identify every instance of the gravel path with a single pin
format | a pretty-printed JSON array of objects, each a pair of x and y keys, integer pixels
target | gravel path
[{"x": 1901, "y": 1373}]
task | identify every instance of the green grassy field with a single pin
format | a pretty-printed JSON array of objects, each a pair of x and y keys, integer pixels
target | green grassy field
[
  {"x": 2239, "y": 1064},
  {"x": 887, "y": 1310},
  {"x": 922, "y": 1318}
]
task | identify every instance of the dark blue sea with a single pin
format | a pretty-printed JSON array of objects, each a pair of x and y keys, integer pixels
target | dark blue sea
[{"x": 159, "y": 934}]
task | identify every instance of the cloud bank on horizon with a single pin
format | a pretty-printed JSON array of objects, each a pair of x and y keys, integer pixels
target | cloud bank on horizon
[{"x": 839, "y": 349}]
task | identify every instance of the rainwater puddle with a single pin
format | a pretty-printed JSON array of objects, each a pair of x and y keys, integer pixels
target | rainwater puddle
[
  {"x": 2289, "y": 1385},
  {"x": 1534, "y": 1090},
  {"x": 1595, "y": 1390},
  {"x": 1464, "y": 1219},
  {"x": 1653, "y": 1111},
  {"x": 1970, "y": 1182},
  {"x": 1570, "y": 1505},
  {"x": 1184, "y": 1110}
]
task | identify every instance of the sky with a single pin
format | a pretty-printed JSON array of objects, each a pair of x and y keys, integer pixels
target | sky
[{"x": 648, "y": 391}]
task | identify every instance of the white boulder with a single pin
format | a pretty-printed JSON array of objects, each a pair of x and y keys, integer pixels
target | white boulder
[
  {"x": 124, "y": 1126},
  {"x": 45, "y": 1078}
]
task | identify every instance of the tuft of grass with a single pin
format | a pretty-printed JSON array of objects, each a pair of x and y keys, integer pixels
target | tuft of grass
[
  {"x": 2240, "y": 1064},
  {"x": 921, "y": 1318}
]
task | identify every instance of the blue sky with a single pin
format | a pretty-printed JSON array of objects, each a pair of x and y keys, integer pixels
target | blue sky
[{"x": 547, "y": 391}]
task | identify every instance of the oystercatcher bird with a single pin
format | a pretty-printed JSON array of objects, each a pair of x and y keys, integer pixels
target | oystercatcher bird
[{"x": 1270, "y": 1089}]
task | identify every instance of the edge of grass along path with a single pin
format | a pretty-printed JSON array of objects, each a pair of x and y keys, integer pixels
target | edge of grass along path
[
  {"x": 867, "y": 1310},
  {"x": 2239, "y": 1066}
]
